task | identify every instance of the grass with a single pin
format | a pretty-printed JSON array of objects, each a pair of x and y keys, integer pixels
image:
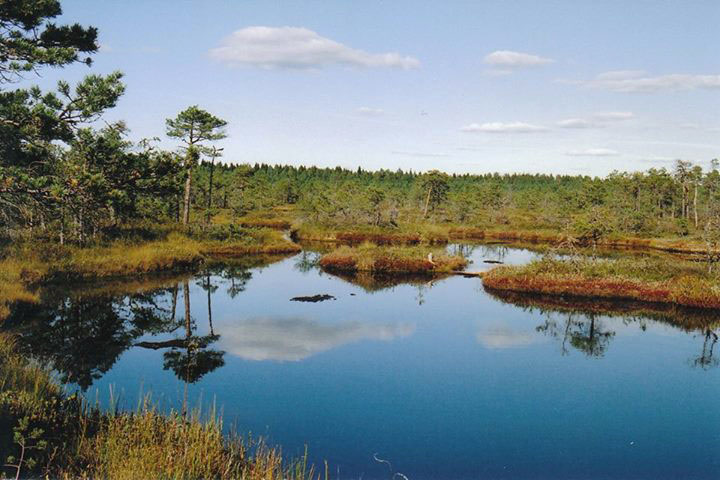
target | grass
[
  {"x": 254, "y": 242},
  {"x": 439, "y": 233},
  {"x": 61, "y": 436},
  {"x": 27, "y": 264},
  {"x": 660, "y": 280},
  {"x": 372, "y": 258},
  {"x": 175, "y": 252}
]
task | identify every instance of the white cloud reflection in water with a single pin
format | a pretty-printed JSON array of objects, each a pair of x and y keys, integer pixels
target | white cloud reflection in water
[
  {"x": 501, "y": 336},
  {"x": 294, "y": 339}
]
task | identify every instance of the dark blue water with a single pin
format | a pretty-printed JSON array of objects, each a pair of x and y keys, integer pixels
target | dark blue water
[{"x": 441, "y": 378}]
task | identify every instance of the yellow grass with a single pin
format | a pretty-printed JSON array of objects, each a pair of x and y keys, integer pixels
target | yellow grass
[{"x": 371, "y": 258}]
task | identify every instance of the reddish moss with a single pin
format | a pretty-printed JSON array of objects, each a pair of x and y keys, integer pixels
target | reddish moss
[
  {"x": 686, "y": 292},
  {"x": 274, "y": 223},
  {"x": 378, "y": 238}
]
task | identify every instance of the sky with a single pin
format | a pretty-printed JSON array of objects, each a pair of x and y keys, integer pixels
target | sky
[{"x": 563, "y": 87}]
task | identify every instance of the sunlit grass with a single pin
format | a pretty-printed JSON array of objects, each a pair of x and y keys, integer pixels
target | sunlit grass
[
  {"x": 66, "y": 437},
  {"x": 385, "y": 259}
]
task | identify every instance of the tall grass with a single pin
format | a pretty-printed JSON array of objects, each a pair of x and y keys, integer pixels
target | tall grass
[
  {"x": 176, "y": 251},
  {"x": 62, "y": 436}
]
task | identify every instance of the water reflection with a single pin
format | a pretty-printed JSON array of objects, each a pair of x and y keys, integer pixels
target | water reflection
[
  {"x": 82, "y": 336},
  {"x": 295, "y": 339},
  {"x": 190, "y": 358},
  {"x": 579, "y": 324},
  {"x": 500, "y": 337},
  {"x": 373, "y": 371},
  {"x": 707, "y": 359},
  {"x": 584, "y": 332},
  {"x": 82, "y": 331}
]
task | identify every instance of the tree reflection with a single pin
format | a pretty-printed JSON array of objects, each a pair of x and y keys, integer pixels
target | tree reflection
[
  {"x": 584, "y": 332},
  {"x": 707, "y": 359},
  {"x": 82, "y": 331},
  {"x": 81, "y": 336},
  {"x": 307, "y": 261},
  {"x": 590, "y": 338},
  {"x": 190, "y": 358}
]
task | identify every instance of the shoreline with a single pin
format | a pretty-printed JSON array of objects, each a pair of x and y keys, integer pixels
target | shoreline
[
  {"x": 23, "y": 268},
  {"x": 595, "y": 280},
  {"x": 440, "y": 234}
]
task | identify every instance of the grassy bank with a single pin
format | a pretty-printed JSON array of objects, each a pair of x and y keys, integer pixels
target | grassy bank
[
  {"x": 46, "y": 433},
  {"x": 25, "y": 265},
  {"x": 371, "y": 258},
  {"x": 647, "y": 279},
  {"x": 437, "y": 234}
]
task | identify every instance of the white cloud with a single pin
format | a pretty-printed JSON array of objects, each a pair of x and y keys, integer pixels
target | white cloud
[
  {"x": 509, "y": 59},
  {"x": 299, "y": 48},
  {"x": 576, "y": 123},
  {"x": 500, "y": 127},
  {"x": 592, "y": 152},
  {"x": 640, "y": 81},
  {"x": 614, "y": 116},
  {"x": 294, "y": 339},
  {"x": 370, "y": 112},
  {"x": 600, "y": 119}
]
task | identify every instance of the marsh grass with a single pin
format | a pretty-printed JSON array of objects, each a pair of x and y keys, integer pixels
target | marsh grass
[
  {"x": 61, "y": 436},
  {"x": 253, "y": 241},
  {"x": 175, "y": 252},
  {"x": 649, "y": 279},
  {"x": 385, "y": 259}
]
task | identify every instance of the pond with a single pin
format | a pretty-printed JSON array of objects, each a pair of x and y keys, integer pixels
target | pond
[{"x": 438, "y": 377}]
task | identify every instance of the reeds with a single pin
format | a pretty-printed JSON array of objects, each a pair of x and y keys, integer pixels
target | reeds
[{"x": 66, "y": 437}]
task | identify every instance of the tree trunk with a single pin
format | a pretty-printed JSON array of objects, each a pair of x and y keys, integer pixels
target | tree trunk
[
  {"x": 209, "y": 200},
  {"x": 212, "y": 332},
  {"x": 695, "y": 205},
  {"x": 186, "y": 200},
  {"x": 427, "y": 202},
  {"x": 174, "y": 303},
  {"x": 186, "y": 299}
]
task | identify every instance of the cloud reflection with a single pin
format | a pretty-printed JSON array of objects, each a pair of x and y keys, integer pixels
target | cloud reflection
[
  {"x": 504, "y": 337},
  {"x": 294, "y": 339}
]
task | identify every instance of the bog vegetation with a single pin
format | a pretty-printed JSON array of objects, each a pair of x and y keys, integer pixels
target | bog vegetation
[{"x": 79, "y": 199}]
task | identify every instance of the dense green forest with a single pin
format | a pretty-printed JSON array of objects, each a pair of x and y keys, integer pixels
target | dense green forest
[{"x": 67, "y": 177}]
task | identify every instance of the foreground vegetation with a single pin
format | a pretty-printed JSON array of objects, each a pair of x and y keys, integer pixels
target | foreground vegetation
[
  {"x": 46, "y": 433},
  {"x": 661, "y": 280}
]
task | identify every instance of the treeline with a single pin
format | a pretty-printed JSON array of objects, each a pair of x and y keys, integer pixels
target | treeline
[
  {"x": 660, "y": 201},
  {"x": 63, "y": 179}
]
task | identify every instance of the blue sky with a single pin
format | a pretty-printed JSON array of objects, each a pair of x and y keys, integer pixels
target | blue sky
[{"x": 515, "y": 86}]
